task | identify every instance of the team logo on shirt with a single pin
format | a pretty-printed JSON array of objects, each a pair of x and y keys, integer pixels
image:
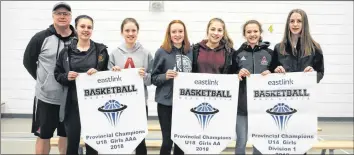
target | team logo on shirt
[
  {"x": 129, "y": 63},
  {"x": 100, "y": 58},
  {"x": 183, "y": 63},
  {"x": 264, "y": 61}
]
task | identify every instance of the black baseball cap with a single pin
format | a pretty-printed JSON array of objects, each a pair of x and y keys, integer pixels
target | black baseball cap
[{"x": 62, "y": 5}]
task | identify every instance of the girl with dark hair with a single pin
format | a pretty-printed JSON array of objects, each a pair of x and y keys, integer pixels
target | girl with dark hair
[{"x": 82, "y": 55}]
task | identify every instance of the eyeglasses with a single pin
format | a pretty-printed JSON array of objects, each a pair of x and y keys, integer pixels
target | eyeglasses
[{"x": 65, "y": 14}]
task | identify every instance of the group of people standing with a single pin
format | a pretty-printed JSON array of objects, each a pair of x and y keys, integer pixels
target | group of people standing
[{"x": 55, "y": 56}]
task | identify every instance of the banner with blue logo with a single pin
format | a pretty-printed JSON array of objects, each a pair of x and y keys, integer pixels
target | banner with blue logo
[
  {"x": 204, "y": 112},
  {"x": 112, "y": 110},
  {"x": 282, "y": 112}
]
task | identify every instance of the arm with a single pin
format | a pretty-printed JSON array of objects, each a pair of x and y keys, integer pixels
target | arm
[
  {"x": 274, "y": 63},
  {"x": 195, "y": 51},
  {"x": 318, "y": 64},
  {"x": 59, "y": 72},
  {"x": 111, "y": 62},
  {"x": 158, "y": 77},
  {"x": 234, "y": 69},
  {"x": 148, "y": 70},
  {"x": 106, "y": 61},
  {"x": 241, "y": 72},
  {"x": 31, "y": 54}
]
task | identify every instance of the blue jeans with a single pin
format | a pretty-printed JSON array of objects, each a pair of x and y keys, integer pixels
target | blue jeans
[{"x": 241, "y": 135}]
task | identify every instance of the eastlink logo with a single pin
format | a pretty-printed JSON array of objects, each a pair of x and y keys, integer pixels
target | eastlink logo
[
  {"x": 281, "y": 82},
  {"x": 109, "y": 79},
  {"x": 206, "y": 82}
]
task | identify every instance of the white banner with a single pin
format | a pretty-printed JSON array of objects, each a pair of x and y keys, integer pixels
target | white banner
[
  {"x": 204, "y": 112},
  {"x": 112, "y": 110},
  {"x": 282, "y": 112}
]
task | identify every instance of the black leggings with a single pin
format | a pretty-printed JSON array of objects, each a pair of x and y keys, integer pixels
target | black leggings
[
  {"x": 73, "y": 130},
  {"x": 141, "y": 148},
  {"x": 165, "y": 116}
]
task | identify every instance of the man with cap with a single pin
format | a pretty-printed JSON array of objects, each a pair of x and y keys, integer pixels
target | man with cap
[{"x": 39, "y": 59}]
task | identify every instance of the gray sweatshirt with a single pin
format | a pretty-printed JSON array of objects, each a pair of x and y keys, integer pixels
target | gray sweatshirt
[
  {"x": 39, "y": 60},
  {"x": 163, "y": 60},
  {"x": 135, "y": 57}
]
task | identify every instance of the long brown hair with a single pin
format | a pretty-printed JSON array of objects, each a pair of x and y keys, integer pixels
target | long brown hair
[
  {"x": 308, "y": 45},
  {"x": 226, "y": 37},
  {"x": 167, "y": 43}
]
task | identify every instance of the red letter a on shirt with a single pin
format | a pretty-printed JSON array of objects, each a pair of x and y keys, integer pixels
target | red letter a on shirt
[{"x": 130, "y": 63}]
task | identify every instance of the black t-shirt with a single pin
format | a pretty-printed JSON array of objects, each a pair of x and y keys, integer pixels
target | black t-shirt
[{"x": 81, "y": 62}]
